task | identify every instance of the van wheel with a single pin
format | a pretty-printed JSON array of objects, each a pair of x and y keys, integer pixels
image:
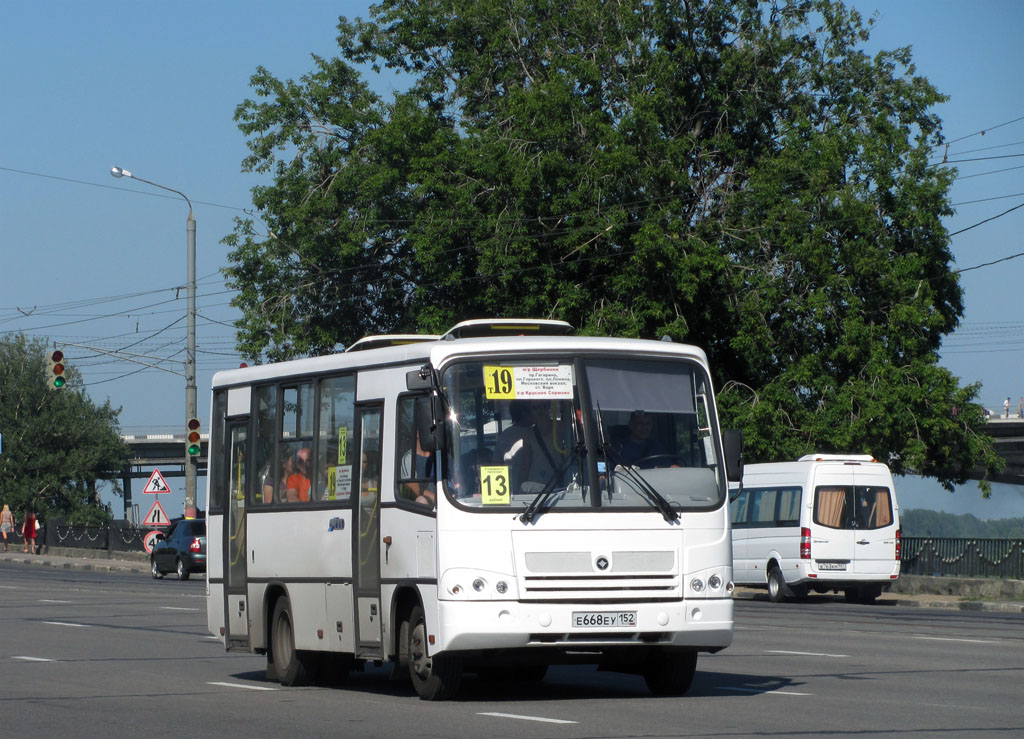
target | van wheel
[
  {"x": 776, "y": 585},
  {"x": 671, "y": 673},
  {"x": 851, "y": 595},
  {"x": 292, "y": 666},
  {"x": 435, "y": 678},
  {"x": 799, "y": 591}
]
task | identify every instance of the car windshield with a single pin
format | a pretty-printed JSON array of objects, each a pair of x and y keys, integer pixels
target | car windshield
[{"x": 581, "y": 433}]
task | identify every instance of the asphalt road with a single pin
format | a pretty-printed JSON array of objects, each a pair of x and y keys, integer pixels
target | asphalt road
[{"x": 93, "y": 654}]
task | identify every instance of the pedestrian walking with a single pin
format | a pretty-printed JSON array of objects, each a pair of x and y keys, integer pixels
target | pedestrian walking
[
  {"x": 1006, "y": 407},
  {"x": 6, "y": 523},
  {"x": 28, "y": 532}
]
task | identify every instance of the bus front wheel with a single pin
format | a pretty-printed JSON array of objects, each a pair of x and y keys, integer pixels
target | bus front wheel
[
  {"x": 671, "y": 673},
  {"x": 434, "y": 678}
]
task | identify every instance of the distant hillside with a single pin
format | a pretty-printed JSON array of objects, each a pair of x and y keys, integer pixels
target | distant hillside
[{"x": 920, "y": 522}]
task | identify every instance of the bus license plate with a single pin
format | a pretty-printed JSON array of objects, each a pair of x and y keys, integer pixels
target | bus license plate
[
  {"x": 831, "y": 565},
  {"x": 603, "y": 618}
]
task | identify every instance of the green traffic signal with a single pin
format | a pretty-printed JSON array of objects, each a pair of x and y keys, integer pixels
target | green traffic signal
[
  {"x": 192, "y": 445},
  {"x": 55, "y": 366}
]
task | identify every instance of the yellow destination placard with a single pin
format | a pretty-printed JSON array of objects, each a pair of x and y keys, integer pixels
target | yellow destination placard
[{"x": 494, "y": 485}]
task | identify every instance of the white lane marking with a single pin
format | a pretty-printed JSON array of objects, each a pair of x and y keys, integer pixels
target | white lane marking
[
  {"x": 246, "y": 687},
  {"x": 178, "y": 608},
  {"x": 760, "y": 690},
  {"x": 967, "y": 641},
  {"x": 212, "y": 637},
  {"x": 47, "y": 600},
  {"x": 526, "y": 718},
  {"x": 65, "y": 623},
  {"x": 33, "y": 659},
  {"x": 804, "y": 654}
]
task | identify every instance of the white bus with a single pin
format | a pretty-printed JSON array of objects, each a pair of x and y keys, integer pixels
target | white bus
[
  {"x": 495, "y": 500},
  {"x": 825, "y": 522}
]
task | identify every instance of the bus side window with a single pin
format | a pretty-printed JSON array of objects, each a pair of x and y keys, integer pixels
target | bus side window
[{"x": 417, "y": 469}]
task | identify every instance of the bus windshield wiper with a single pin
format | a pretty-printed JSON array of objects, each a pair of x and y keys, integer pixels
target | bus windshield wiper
[
  {"x": 546, "y": 492},
  {"x": 647, "y": 491}
]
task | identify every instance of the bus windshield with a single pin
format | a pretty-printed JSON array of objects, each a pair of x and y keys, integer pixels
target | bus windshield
[{"x": 573, "y": 433}]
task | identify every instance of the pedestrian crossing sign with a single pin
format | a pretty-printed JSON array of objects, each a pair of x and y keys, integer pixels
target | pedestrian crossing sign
[
  {"x": 157, "y": 516},
  {"x": 156, "y": 484}
]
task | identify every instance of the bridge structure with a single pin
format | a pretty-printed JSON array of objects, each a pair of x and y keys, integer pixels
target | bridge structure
[
  {"x": 1008, "y": 435},
  {"x": 165, "y": 452}
]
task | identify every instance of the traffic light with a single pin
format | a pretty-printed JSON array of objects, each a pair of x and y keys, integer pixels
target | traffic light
[
  {"x": 192, "y": 446},
  {"x": 55, "y": 372}
]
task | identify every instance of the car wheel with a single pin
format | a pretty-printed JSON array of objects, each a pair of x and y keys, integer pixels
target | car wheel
[
  {"x": 670, "y": 673},
  {"x": 153, "y": 568},
  {"x": 776, "y": 585},
  {"x": 292, "y": 667},
  {"x": 182, "y": 572},
  {"x": 435, "y": 678}
]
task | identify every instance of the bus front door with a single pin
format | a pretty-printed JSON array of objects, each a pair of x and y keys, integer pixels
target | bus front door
[
  {"x": 366, "y": 547},
  {"x": 236, "y": 636}
]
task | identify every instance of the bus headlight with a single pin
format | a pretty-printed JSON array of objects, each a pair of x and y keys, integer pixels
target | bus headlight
[
  {"x": 479, "y": 585},
  {"x": 697, "y": 585},
  {"x": 714, "y": 582}
]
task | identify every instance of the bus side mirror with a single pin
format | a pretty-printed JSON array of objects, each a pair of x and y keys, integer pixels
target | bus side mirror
[
  {"x": 429, "y": 415},
  {"x": 732, "y": 440},
  {"x": 418, "y": 379}
]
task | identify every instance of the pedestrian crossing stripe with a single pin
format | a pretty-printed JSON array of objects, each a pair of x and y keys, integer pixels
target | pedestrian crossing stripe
[
  {"x": 156, "y": 484},
  {"x": 157, "y": 516}
]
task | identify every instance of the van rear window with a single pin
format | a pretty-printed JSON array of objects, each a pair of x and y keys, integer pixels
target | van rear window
[{"x": 852, "y": 506}]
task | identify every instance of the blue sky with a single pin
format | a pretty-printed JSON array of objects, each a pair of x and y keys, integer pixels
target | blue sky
[{"x": 95, "y": 263}]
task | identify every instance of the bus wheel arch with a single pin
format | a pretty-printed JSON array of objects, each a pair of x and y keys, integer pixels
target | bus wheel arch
[
  {"x": 270, "y": 598},
  {"x": 403, "y": 602}
]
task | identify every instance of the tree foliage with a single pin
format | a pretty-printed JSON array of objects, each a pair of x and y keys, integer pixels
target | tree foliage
[
  {"x": 737, "y": 175},
  {"x": 56, "y": 443}
]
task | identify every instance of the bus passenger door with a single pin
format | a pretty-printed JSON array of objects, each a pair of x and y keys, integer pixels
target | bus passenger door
[
  {"x": 367, "y": 543},
  {"x": 236, "y": 635}
]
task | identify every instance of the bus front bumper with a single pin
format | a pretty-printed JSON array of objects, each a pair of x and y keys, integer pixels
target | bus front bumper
[{"x": 702, "y": 624}]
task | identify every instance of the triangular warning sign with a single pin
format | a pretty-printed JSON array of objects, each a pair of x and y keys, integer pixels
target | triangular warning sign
[
  {"x": 157, "y": 516},
  {"x": 156, "y": 484}
]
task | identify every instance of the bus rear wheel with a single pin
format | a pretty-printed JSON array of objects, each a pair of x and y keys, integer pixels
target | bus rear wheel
[
  {"x": 291, "y": 666},
  {"x": 434, "y": 678},
  {"x": 671, "y": 673}
]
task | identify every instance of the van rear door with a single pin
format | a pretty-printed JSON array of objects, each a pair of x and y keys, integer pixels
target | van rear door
[
  {"x": 874, "y": 521},
  {"x": 832, "y": 536}
]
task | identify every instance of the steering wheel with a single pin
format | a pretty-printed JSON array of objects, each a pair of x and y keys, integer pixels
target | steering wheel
[{"x": 648, "y": 462}]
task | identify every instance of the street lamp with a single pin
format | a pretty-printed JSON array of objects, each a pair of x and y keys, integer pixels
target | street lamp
[{"x": 190, "y": 351}]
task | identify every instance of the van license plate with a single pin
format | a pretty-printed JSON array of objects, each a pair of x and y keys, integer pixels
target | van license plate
[
  {"x": 604, "y": 618},
  {"x": 832, "y": 565}
]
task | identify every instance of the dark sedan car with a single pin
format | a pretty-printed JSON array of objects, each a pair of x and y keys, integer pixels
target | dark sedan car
[{"x": 182, "y": 550}]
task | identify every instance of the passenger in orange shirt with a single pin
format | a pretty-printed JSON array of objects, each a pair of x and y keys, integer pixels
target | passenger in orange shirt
[{"x": 297, "y": 485}]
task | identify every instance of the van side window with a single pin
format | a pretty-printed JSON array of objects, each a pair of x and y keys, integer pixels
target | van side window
[
  {"x": 762, "y": 506},
  {"x": 738, "y": 509},
  {"x": 789, "y": 507}
]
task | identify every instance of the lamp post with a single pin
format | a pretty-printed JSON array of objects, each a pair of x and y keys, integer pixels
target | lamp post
[{"x": 190, "y": 349}]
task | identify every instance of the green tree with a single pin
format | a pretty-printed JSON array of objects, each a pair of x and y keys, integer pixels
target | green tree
[
  {"x": 56, "y": 443},
  {"x": 737, "y": 175}
]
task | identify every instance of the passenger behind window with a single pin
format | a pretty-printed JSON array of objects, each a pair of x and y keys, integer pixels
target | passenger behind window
[
  {"x": 417, "y": 474},
  {"x": 298, "y": 483},
  {"x": 269, "y": 484},
  {"x": 526, "y": 446}
]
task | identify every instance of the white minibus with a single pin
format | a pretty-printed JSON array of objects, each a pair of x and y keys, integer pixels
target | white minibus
[
  {"x": 825, "y": 522},
  {"x": 494, "y": 500}
]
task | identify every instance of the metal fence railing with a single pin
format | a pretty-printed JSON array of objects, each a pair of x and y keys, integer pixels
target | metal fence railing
[
  {"x": 947, "y": 557},
  {"x": 117, "y": 536}
]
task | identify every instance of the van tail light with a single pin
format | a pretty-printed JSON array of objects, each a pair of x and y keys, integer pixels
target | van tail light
[
  {"x": 899, "y": 543},
  {"x": 196, "y": 545},
  {"x": 805, "y": 543}
]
